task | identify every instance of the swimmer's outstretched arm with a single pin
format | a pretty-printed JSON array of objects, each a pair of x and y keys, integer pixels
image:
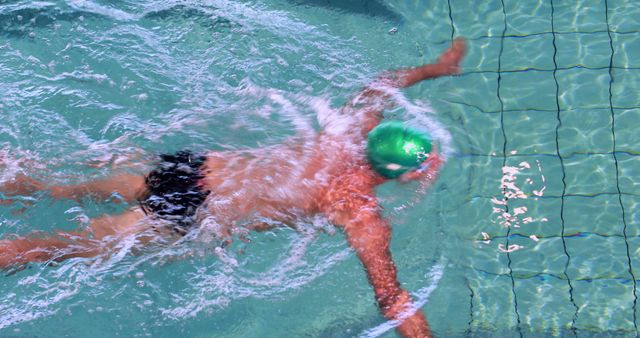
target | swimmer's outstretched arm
[
  {"x": 369, "y": 235},
  {"x": 352, "y": 205}
]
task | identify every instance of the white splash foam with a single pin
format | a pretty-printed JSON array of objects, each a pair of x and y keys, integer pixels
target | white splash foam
[
  {"x": 511, "y": 248},
  {"x": 93, "y": 7},
  {"x": 511, "y": 190}
]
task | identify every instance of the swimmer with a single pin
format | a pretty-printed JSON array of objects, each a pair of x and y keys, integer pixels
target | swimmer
[{"x": 332, "y": 175}]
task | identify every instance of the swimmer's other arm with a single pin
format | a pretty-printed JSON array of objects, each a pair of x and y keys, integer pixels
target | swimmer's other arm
[
  {"x": 369, "y": 235},
  {"x": 447, "y": 64},
  {"x": 374, "y": 98}
]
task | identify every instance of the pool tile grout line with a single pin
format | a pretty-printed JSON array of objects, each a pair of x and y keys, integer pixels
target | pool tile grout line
[
  {"x": 562, "y": 157},
  {"x": 522, "y": 36},
  {"x": 453, "y": 27},
  {"x": 615, "y": 158},
  {"x": 570, "y": 236},
  {"x": 496, "y": 112},
  {"x": 504, "y": 163},
  {"x": 543, "y": 70},
  {"x": 469, "y": 331},
  {"x": 570, "y": 155},
  {"x": 540, "y": 275},
  {"x": 573, "y": 328},
  {"x": 557, "y": 73},
  {"x": 552, "y": 197}
]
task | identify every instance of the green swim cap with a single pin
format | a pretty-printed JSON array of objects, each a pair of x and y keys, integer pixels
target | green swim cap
[{"x": 394, "y": 148}]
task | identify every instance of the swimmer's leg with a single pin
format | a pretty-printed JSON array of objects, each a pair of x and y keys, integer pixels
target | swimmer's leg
[
  {"x": 125, "y": 186},
  {"x": 374, "y": 98},
  {"x": 33, "y": 248},
  {"x": 39, "y": 247}
]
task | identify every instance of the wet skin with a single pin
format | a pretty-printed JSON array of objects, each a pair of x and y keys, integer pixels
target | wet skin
[{"x": 326, "y": 175}]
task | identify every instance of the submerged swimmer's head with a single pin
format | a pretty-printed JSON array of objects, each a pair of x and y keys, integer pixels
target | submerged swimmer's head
[{"x": 394, "y": 148}]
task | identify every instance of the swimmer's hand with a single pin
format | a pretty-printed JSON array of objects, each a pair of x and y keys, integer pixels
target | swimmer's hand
[
  {"x": 427, "y": 171},
  {"x": 449, "y": 61}
]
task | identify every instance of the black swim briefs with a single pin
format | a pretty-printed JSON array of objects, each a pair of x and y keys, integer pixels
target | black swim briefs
[{"x": 173, "y": 189}]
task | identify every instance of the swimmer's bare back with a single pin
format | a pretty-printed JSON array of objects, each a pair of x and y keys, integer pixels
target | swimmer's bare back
[{"x": 326, "y": 176}]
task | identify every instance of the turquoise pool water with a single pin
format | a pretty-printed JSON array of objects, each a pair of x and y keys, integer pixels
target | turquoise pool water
[{"x": 531, "y": 229}]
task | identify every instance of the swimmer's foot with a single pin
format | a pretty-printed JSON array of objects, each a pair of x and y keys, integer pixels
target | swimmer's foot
[{"x": 449, "y": 61}]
